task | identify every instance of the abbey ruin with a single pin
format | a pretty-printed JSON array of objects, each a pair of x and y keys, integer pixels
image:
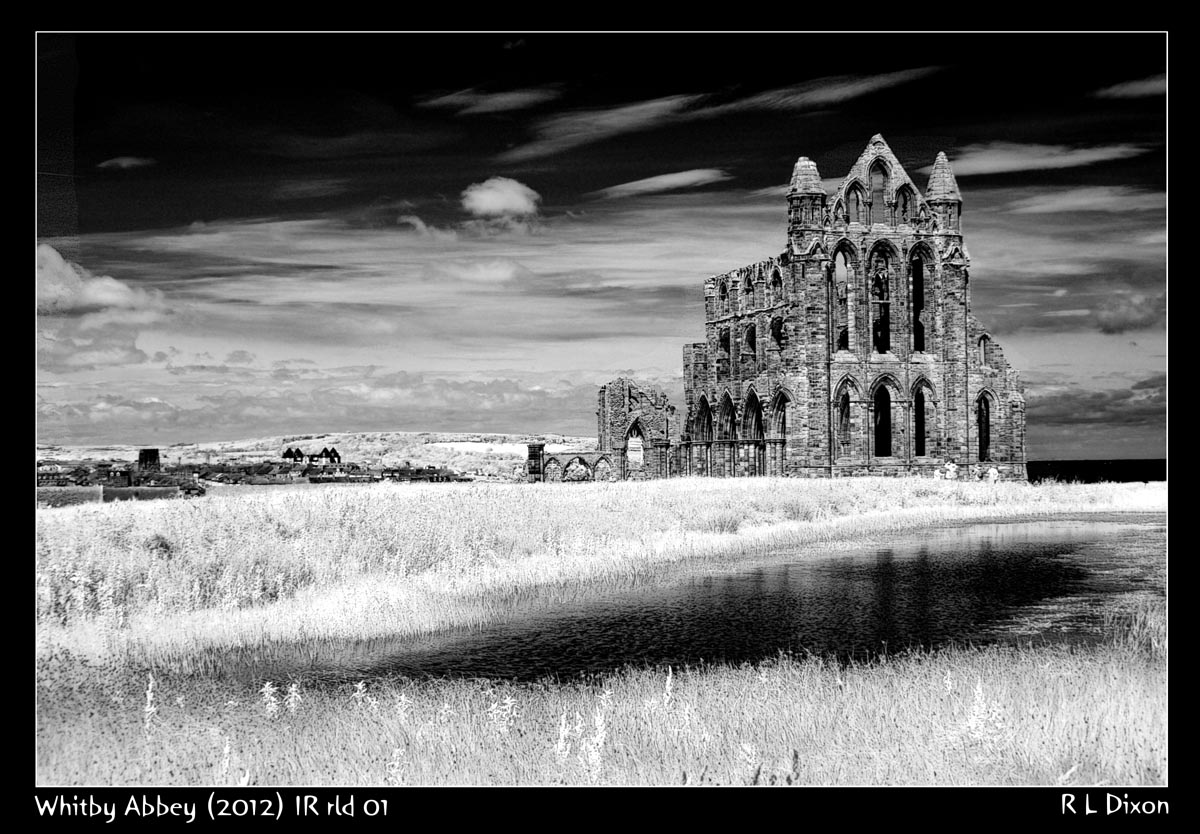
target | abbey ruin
[{"x": 853, "y": 352}]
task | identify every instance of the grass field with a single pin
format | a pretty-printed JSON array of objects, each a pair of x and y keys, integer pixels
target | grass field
[
  {"x": 953, "y": 717},
  {"x": 172, "y": 591}
]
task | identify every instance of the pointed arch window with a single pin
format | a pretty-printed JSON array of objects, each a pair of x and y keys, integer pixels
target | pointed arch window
[
  {"x": 879, "y": 177},
  {"x": 635, "y": 447},
  {"x": 918, "y": 304},
  {"x": 857, "y": 205},
  {"x": 881, "y": 320},
  {"x": 983, "y": 418},
  {"x": 904, "y": 204},
  {"x": 919, "y": 424},
  {"x": 776, "y": 287},
  {"x": 883, "y": 423},
  {"x": 841, "y": 292},
  {"x": 843, "y": 432}
]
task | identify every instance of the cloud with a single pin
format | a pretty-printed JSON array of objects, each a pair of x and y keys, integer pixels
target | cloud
[
  {"x": 424, "y": 229},
  {"x": 1131, "y": 311},
  {"x": 500, "y": 197},
  {"x": 65, "y": 288},
  {"x": 472, "y": 102},
  {"x": 1066, "y": 314},
  {"x": 820, "y": 92},
  {"x": 500, "y": 206},
  {"x": 569, "y": 130},
  {"x": 1155, "y": 85},
  {"x": 124, "y": 163},
  {"x": 665, "y": 182},
  {"x": 482, "y": 272},
  {"x": 240, "y": 357},
  {"x": 1004, "y": 157},
  {"x": 309, "y": 188},
  {"x": 1090, "y": 198},
  {"x": 88, "y": 321},
  {"x": 1142, "y": 404}
]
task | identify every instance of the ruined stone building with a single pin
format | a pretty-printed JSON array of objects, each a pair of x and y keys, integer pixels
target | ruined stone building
[{"x": 852, "y": 352}]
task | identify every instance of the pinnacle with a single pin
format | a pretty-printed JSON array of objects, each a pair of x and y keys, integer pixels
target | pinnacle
[
  {"x": 942, "y": 185},
  {"x": 806, "y": 179}
]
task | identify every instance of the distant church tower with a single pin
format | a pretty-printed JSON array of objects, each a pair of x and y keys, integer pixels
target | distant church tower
[{"x": 855, "y": 350}]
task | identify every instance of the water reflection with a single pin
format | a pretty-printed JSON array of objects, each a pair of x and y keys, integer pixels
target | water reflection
[{"x": 979, "y": 584}]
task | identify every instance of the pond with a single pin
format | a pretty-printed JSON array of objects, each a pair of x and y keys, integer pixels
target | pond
[{"x": 1043, "y": 581}]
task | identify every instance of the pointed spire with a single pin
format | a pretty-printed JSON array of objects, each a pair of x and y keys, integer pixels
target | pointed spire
[
  {"x": 806, "y": 179},
  {"x": 942, "y": 186}
]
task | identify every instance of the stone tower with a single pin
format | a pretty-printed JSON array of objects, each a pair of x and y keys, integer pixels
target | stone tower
[{"x": 854, "y": 351}]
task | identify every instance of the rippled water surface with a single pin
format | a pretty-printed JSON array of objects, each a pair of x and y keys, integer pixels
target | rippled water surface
[{"x": 1017, "y": 582}]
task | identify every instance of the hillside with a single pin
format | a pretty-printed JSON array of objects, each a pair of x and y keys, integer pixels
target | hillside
[{"x": 494, "y": 454}]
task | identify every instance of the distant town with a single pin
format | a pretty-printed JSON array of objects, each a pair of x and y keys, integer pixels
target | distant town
[{"x": 153, "y": 477}]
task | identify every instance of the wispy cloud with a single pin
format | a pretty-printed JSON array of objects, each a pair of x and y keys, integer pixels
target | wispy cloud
[
  {"x": 1155, "y": 85},
  {"x": 1110, "y": 198},
  {"x": 124, "y": 163},
  {"x": 1144, "y": 403},
  {"x": 1004, "y": 157},
  {"x": 569, "y": 130},
  {"x": 474, "y": 102},
  {"x": 573, "y": 129},
  {"x": 309, "y": 188},
  {"x": 665, "y": 182},
  {"x": 821, "y": 92}
]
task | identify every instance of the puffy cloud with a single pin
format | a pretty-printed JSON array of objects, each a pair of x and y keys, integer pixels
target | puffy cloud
[
  {"x": 665, "y": 182},
  {"x": 65, "y": 288},
  {"x": 1131, "y": 311},
  {"x": 88, "y": 321},
  {"x": 1004, "y": 157},
  {"x": 124, "y": 163},
  {"x": 1155, "y": 85},
  {"x": 240, "y": 357},
  {"x": 500, "y": 197}
]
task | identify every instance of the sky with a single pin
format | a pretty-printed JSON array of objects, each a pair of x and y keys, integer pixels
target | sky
[{"x": 259, "y": 234}]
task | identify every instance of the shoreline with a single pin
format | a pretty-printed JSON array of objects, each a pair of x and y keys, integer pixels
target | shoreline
[
  {"x": 1001, "y": 714},
  {"x": 468, "y": 594}
]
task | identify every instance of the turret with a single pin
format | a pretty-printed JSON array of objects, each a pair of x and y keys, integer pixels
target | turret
[
  {"x": 942, "y": 194},
  {"x": 806, "y": 199}
]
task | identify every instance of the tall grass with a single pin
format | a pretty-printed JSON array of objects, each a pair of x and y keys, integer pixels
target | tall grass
[
  {"x": 159, "y": 582},
  {"x": 996, "y": 716}
]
